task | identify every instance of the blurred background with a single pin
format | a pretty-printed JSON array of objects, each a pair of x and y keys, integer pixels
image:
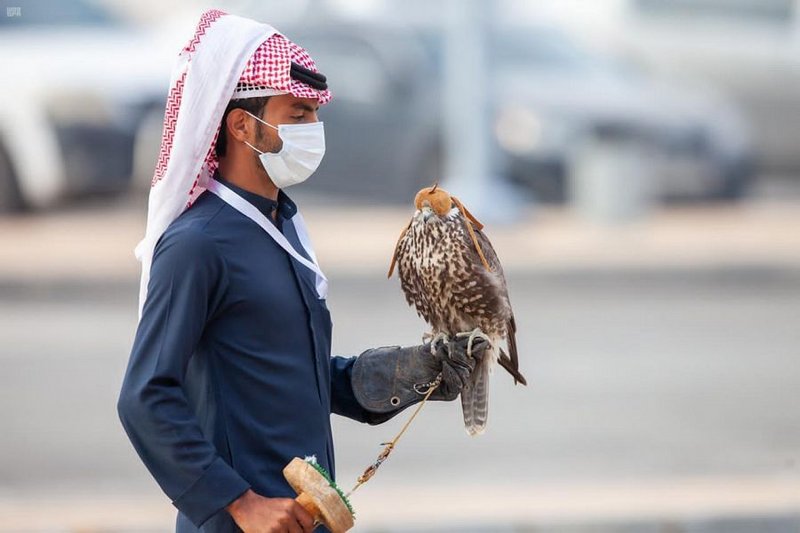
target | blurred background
[{"x": 635, "y": 162}]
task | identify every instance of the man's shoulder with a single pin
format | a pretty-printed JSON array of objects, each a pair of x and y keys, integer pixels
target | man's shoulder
[
  {"x": 191, "y": 233},
  {"x": 198, "y": 217}
]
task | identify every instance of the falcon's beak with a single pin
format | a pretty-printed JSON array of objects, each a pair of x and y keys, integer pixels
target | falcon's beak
[{"x": 427, "y": 213}]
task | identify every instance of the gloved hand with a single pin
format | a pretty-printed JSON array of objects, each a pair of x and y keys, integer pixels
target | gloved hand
[{"x": 388, "y": 379}]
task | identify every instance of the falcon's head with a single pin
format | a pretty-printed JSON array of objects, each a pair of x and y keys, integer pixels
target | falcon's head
[{"x": 434, "y": 205}]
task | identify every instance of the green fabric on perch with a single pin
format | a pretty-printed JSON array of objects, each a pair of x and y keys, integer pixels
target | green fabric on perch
[{"x": 312, "y": 460}]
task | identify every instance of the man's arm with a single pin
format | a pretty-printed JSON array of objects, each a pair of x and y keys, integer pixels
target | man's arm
[
  {"x": 343, "y": 401},
  {"x": 187, "y": 280},
  {"x": 381, "y": 382}
]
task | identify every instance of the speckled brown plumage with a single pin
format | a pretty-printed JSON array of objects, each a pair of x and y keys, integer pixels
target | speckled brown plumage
[{"x": 445, "y": 279}]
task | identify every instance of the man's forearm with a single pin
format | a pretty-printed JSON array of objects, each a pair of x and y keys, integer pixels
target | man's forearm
[
  {"x": 343, "y": 401},
  {"x": 186, "y": 466}
]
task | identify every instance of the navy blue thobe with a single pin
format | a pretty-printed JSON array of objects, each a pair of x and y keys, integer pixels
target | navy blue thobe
[{"x": 231, "y": 375}]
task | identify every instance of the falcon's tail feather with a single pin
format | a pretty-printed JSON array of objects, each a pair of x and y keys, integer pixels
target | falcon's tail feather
[
  {"x": 505, "y": 361},
  {"x": 512, "y": 363},
  {"x": 475, "y": 398}
]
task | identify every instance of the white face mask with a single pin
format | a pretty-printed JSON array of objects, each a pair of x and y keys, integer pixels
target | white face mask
[{"x": 303, "y": 148}]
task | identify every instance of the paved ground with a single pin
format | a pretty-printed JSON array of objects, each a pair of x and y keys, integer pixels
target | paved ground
[
  {"x": 649, "y": 395},
  {"x": 662, "y": 360}
]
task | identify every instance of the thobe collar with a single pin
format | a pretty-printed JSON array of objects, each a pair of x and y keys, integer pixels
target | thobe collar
[{"x": 285, "y": 206}]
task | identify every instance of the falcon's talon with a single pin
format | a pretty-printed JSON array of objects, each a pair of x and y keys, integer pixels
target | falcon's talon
[
  {"x": 474, "y": 334},
  {"x": 439, "y": 337}
]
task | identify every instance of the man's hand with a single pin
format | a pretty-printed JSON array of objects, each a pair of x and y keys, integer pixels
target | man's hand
[
  {"x": 457, "y": 366},
  {"x": 257, "y": 514}
]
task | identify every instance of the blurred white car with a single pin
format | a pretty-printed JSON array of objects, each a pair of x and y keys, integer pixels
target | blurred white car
[
  {"x": 552, "y": 95},
  {"x": 77, "y": 83},
  {"x": 748, "y": 47}
]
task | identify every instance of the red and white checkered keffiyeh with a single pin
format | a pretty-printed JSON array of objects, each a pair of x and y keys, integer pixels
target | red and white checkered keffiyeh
[
  {"x": 228, "y": 57},
  {"x": 268, "y": 69}
]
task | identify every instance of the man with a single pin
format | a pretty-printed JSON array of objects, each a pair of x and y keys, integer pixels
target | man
[{"x": 230, "y": 375}]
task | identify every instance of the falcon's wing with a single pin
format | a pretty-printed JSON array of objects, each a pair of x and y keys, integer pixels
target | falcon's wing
[
  {"x": 403, "y": 235},
  {"x": 410, "y": 282},
  {"x": 490, "y": 255},
  {"x": 508, "y": 361}
]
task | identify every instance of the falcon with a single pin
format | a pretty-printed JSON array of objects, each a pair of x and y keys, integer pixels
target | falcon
[{"x": 450, "y": 273}]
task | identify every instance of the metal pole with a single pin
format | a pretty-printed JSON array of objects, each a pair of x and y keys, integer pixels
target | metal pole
[{"x": 470, "y": 160}]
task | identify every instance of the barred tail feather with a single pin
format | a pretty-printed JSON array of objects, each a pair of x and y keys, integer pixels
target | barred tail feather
[{"x": 475, "y": 398}]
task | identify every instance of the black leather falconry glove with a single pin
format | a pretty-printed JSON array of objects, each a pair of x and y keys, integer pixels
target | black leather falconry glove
[{"x": 388, "y": 379}]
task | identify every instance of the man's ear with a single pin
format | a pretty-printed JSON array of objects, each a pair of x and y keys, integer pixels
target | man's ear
[{"x": 238, "y": 125}]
